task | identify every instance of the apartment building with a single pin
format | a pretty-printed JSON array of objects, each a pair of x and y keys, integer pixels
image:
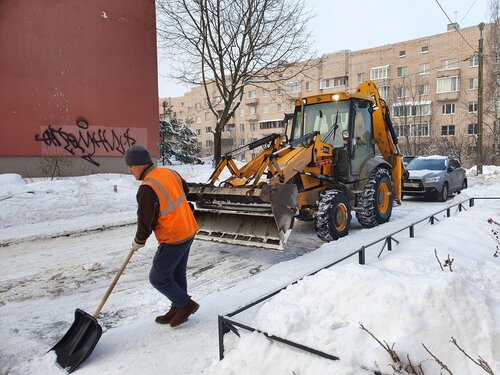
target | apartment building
[{"x": 430, "y": 85}]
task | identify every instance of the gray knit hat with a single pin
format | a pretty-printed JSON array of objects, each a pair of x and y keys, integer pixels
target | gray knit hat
[{"x": 137, "y": 155}]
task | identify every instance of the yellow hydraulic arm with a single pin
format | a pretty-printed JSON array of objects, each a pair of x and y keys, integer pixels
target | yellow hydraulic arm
[{"x": 385, "y": 137}]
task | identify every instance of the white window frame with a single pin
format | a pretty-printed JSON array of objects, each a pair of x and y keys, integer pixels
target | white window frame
[
  {"x": 424, "y": 49},
  {"x": 448, "y": 128},
  {"x": 424, "y": 69},
  {"x": 474, "y": 61},
  {"x": 402, "y": 71},
  {"x": 384, "y": 91},
  {"x": 379, "y": 72},
  {"x": 473, "y": 83},
  {"x": 252, "y": 94},
  {"x": 448, "y": 109},
  {"x": 452, "y": 82},
  {"x": 448, "y": 64},
  {"x": 361, "y": 77},
  {"x": 426, "y": 89},
  {"x": 294, "y": 86},
  {"x": 472, "y": 107}
]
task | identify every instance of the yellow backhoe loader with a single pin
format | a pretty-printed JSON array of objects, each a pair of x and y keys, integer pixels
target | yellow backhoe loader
[{"x": 341, "y": 156}]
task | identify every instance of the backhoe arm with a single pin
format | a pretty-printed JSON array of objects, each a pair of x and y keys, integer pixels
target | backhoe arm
[{"x": 385, "y": 137}]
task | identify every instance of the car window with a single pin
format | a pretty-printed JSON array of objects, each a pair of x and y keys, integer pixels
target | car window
[
  {"x": 454, "y": 163},
  {"x": 430, "y": 164}
]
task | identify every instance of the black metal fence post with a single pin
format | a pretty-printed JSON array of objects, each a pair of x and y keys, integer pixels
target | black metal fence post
[
  {"x": 221, "y": 337},
  {"x": 361, "y": 256},
  {"x": 412, "y": 231}
]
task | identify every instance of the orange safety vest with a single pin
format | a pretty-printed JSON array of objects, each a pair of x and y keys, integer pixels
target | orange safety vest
[{"x": 176, "y": 222}]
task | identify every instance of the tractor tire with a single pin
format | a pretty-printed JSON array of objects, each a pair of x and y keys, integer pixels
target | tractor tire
[
  {"x": 376, "y": 200},
  {"x": 333, "y": 217}
]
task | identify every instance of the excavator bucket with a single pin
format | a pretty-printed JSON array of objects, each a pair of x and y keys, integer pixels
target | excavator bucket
[{"x": 261, "y": 217}]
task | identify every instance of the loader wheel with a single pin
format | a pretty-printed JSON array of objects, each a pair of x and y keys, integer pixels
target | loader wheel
[
  {"x": 333, "y": 218},
  {"x": 376, "y": 200}
]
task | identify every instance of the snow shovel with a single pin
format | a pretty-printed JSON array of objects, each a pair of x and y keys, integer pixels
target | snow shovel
[{"x": 80, "y": 340}]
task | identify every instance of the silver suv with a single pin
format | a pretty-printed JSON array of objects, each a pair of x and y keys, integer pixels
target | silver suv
[{"x": 435, "y": 176}]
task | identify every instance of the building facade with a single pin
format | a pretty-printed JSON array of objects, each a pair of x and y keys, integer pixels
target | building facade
[
  {"x": 78, "y": 85},
  {"x": 430, "y": 85}
]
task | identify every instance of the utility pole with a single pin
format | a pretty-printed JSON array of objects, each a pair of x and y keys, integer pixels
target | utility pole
[{"x": 480, "y": 151}]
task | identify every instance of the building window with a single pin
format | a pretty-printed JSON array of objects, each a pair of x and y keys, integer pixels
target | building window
[
  {"x": 473, "y": 83},
  {"x": 265, "y": 93},
  {"x": 308, "y": 86},
  {"x": 384, "y": 92},
  {"x": 448, "y": 130},
  {"x": 447, "y": 84},
  {"x": 332, "y": 82},
  {"x": 242, "y": 127},
  {"x": 474, "y": 61},
  {"x": 242, "y": 112},
  {"x": 280, "y": 91},
  {"x": 448, "y": 109},
  {"x": 472, "y": 107},
  {"x": 209, "y": 143},
  {"x": 253, "y": 127},
  {"x": 207, "y": 116},
  {"x": 197, "y": 106},
  {"x": 198, "y": 119},
  {"x": 199, "y": 144},
  {"x": 380, "y": 72},
  {"x": 252, "y": 94},
  {"x": 242, "y": 141},
  {"x": 293, "y": 87},
  {"x": 198, "y": 131},
  {"x": 208, "y": 129},
  {"x": 413, "y": 130},
  {"x": 280, "y": 107},
  {"x": 271, "y": 124},
  {"x": 424, "y": 68},
  {"x": 402, "y": 71},
  {"x": 424, "y": 89},
  {"x": 449, "y": 64},
  {"x": 424, "y": 49},
  {"x": 252, "y": 110},
  {"x": 472, "y": 129},
  {"x": 265, "y": 108},
  {"x": 361, "y": 77},
  {"x": 401, "y": 92},
  {"x": 402, "y": 53},
  {"x": 407, "y": 109}
]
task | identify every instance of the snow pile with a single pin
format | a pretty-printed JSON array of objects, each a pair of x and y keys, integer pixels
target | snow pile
[{"x": 403, "y": 298}]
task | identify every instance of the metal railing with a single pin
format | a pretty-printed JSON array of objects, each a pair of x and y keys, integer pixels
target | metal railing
[{"x": 227, "y": 323}]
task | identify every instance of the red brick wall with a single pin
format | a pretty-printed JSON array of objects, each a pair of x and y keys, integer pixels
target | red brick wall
[{"x": 61, "y": 60}]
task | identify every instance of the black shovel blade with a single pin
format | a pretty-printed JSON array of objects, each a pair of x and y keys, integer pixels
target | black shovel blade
[{"x": 80, "y": 340}]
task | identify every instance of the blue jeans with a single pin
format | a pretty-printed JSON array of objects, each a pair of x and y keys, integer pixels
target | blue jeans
[{"x": 168, "y": 273}]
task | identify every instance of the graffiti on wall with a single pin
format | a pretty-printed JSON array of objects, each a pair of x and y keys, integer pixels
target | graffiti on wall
[{"x": 85, "y": 142}]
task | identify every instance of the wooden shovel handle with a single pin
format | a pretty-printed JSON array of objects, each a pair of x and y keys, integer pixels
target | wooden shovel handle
[{"x": 115, "y": 280}]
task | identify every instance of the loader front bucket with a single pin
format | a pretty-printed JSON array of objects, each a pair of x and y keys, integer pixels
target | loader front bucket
[
  {"x": 261, "y": 217},
  {"x": 79, "y": 342}
]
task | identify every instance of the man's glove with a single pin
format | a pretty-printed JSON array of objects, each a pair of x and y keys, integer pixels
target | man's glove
[{"x": 136, "y": 246}]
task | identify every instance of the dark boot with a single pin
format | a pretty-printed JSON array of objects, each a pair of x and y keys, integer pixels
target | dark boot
[
  {"x": 165, "y": 319},
  {"x": 182, "y": 314}
]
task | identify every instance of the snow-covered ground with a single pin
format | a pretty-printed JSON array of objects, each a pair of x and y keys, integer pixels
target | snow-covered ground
[{"x": 62, "y": 241}]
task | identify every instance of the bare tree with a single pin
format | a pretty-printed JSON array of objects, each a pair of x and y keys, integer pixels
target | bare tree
[
  {"x": 413, "y": 114},
  {"x": 226, "y": 45},
  {"x": 491, "y": 109}
]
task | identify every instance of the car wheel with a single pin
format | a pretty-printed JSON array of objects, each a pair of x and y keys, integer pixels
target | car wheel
[{"x": 444, "y": 193}]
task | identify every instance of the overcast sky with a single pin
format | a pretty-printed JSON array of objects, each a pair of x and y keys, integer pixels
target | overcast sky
[{"x": 357, "y": 25}]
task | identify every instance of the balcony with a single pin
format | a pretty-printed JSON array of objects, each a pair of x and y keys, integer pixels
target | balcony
[
  {"x": 447, "y": 96},
  {"x": 252, "y": 101},
  {"x": 252, "y": 117}
]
